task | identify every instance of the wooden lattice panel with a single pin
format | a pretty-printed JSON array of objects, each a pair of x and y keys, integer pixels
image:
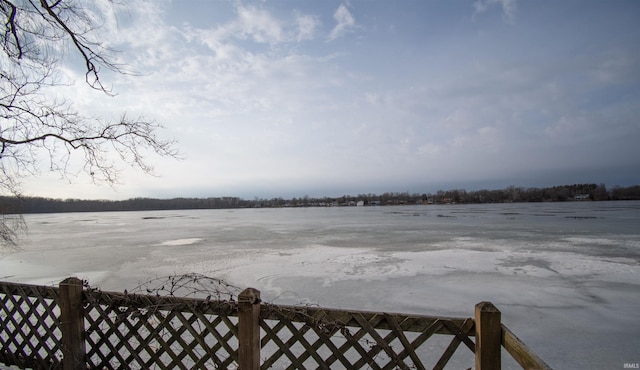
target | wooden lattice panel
[
  {"x": 314, "y": 338},
  {"x": 29, "y": 326},
  {"x": 121, "y": 331},
  {"x": 159, "y": 332}
]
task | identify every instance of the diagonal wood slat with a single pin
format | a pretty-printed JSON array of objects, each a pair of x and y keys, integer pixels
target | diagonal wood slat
[
  {"x": 409, "y": 348},
  {"x": 381, "y": 344},
  {"x": 455, "y": 342}
]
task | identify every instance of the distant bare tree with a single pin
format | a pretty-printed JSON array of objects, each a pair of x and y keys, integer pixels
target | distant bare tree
[{"x": 34, "y": 36}]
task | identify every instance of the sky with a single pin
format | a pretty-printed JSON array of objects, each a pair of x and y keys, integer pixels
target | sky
[{"x": 288, "y": 98}]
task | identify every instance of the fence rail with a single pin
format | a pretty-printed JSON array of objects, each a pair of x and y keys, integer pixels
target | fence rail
[{"x": 75, "y": 327}]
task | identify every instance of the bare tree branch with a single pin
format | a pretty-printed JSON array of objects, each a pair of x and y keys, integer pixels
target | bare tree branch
[
  {"x": 35, "y": 34},
  {"x": 11, "y": 24},
  {"x": 84, "y": 47}
]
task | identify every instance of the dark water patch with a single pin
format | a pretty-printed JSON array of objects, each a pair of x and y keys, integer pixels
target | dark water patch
[
  {"x": 582, "y": 217},
  {"x": 412, "y": 214},
  {"x": 517, "y": 262},
  {"x": 446, "y": 216},
  {"x": 153, "y": 218}
]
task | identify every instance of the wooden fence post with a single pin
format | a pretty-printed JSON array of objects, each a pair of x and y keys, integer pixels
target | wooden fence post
[
  {"x": 488, "y": 337},
  {"x": 249, "y": 329},
  {"x": 72, "y": 324}
]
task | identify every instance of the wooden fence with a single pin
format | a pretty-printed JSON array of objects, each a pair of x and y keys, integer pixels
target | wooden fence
[{"x": 75, "y": 327}]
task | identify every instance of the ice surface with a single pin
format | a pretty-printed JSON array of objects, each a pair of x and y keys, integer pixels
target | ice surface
[
  {"x": 566, "y": 281},
  {"x": 178, "y": 242}
]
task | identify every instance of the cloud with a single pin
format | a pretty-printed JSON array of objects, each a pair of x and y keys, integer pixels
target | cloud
[
  {"x": 143, "y": 38},
  {"x": 255, "y": 24},
  {"x": 260, "y": 25},
  {"x": 251, "y": 23},
  {"x": 260, "y": 96},
  {"x": 307, "y": 25},
  {"x": 345, "y": 22},
  {"x": 509, "y": 7}
]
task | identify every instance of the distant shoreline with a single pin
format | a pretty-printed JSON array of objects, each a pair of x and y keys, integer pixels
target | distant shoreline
[{"x": 511, "y": 194}]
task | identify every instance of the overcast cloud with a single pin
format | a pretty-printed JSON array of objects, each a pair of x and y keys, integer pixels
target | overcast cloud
[{"x": 288, "y": 98}]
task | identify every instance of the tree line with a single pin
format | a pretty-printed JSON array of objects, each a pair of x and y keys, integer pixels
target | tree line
[{"x": 576, "y": 192}]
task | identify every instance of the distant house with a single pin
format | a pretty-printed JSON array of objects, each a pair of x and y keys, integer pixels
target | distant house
[{"x": 581, "y": 197}]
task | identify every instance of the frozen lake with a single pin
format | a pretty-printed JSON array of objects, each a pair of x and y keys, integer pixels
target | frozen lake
[{"x": 566, "y": 276}]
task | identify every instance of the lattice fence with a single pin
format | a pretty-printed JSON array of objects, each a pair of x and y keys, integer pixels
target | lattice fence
[
  {"x": 159, "y": 332},
  {"x": 120, "y": 330},
  {"x": 29, "y": 326},
  {"x": 318, "y": 338}
]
